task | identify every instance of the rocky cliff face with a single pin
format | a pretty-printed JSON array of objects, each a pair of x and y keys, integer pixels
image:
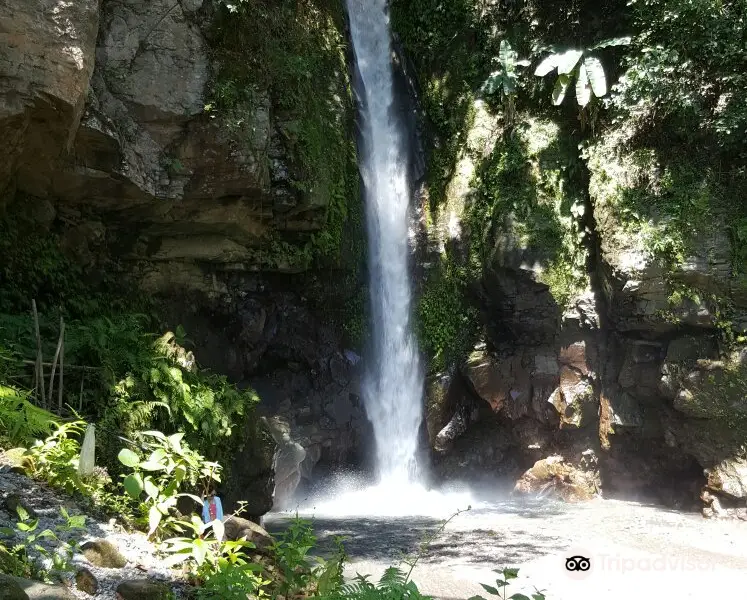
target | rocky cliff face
[
  {"x": 128, "y": 133},
  {"x": 596, "y": 297}
]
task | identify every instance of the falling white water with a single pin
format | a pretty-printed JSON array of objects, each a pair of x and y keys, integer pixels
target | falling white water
[{"x": 393, "y": 387}]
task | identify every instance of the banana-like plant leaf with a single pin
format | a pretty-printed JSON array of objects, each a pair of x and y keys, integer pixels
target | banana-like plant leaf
[
  {"x": 547, "y": 65},
  {"x": 619, "y": 41},
  {"x": 561, "y": 87},
  {"x": 568, "y": 61},
  {"x": 506, "y": 54},
  {"x": 597, "y": 78},
  {"x": 523, "y": 62},
  {"x": 583, "y": 89},
  {"x": 492, "y": 83},
  {"x": 509, "y": 87}
]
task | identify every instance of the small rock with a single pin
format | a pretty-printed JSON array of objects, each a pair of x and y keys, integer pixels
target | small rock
[
  {"x": 33, "y": 590},
  {"x": 103, "y": 553},
  {"x": 10, "y": 590},
  {"x": 13, "y": 501},
  {"x": 236, "y": 528},
  {"x": 142, "y": 589},
  {"x": 86, "y": 582}
]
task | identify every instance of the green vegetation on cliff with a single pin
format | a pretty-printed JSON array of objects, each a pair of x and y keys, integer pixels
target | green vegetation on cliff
[
  {"x": 120, "y": 370},
  {"x": 662, "y": 141},
  {"x": 292, "y": 55}
]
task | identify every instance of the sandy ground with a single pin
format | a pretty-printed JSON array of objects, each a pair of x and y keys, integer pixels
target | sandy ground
[{"x": 648, "y": 551}]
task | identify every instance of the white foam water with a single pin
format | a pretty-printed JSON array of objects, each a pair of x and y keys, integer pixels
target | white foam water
[{"x": 393, "y": 386}]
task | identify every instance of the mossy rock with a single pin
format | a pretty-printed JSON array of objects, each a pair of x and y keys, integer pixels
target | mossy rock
[
  {"x": 143, "y": 589},
  {"x": 10, "y": 590},
  {"x": 86, "y": 582},
  {"x": 103, "y": 553}
]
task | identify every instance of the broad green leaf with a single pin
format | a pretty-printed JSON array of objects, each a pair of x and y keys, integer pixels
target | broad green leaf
[
  {"x": 519, "y": 597},
  {"x": 596, "y": 76},
  {"x": 151, "y": 488},
  {"x": 155, "y": 434},
  {"x": 619, "y": 41},
  {"x": 505, "y": 53},
  {"x": 178, "y": 544},
  {"x": 197, "y": 499},
  {"x": 157, "y": 455},
  {"x": 128, "y": 458},
  {"x": 175, "y": 441},
  {"x": 22, "y": 513},
  {"x": 547, "y": 65},
  {"x": 175, "y": 559},
  {"x": 476, "y": 598},
  {"x": 492, "y": 83},
  {"x": 199, "y": 551},
  {"x": 558, "y": 92},
  {"x": 154, "y": 519},
  {"x": 133, "y": 485},
  {"x": 568, "y": 61},
  {"x": 510, "y": 573},
  {"x": 219, "y": 529},
  {"x": 583, "y": 89},
  {"x": 508, "y": 86},
  {"x": 490, "y": 589},
  {"x": 152, "y": 466}
]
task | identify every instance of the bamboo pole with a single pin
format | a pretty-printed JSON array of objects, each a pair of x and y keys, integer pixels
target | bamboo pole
[
  {"x": 39, "y": 357},
  {"x": 54, "y": 362},
  {"x": 62, "y": 370},
  {"x": 80, "y": 398}
]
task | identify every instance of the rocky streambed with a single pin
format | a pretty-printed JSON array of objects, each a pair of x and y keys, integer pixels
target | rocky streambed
[{"x": 108, "y": 561}]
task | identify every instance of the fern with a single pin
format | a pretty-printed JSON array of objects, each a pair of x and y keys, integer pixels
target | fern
[{"x": 20, "y": 420}]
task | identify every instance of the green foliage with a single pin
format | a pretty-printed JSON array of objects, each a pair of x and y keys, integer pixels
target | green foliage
[
  {"x": 22, "y": 558},
  {"x": 55, "y": 459},
  {"x": 446, "y": 322},
  {"x": 688, "y": 68},
  {"x": 164, "y": 389},
  {"x": 293, "y": 54},
  {"x": 501, "y": 584},
  {"x": 292, "y": 553},
  {"x": 393, "y": 585},
  {"x": 525, "y": 205},
  {"x": 504, "y": 81},
  {"x": 157, "y": 481},
  {"x": 21, "y": 421},
  {"x": 219, "y": 565},
  {"x": 582, "y": 66}
]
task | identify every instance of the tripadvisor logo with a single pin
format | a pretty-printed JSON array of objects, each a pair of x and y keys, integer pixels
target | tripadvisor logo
[{"x": 578, "y": 563}]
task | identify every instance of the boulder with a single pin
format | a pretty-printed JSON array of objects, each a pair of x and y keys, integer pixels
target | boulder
[
  {"x": 502, "y": 381},
  {"x": 10, "y": 590},
  {"x": 553, "y": 475},
  {"x": 103, "y": 553},
  {"x": 729, "y": 477},
  {"x": 236, "y": 528},
  {"x": 143, "y": 589},
  {"x": 35, "y": 590},
  {"x": 86, "y": 582}
]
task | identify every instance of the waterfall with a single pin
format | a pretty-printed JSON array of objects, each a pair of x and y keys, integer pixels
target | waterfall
[{"x": 393, "y": 385}]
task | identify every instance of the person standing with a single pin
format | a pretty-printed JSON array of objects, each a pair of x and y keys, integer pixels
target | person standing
[{"x": 212, "y": 508}]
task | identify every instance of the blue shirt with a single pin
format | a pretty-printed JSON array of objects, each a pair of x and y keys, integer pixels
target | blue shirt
[{"x": 206, "y": 510}]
